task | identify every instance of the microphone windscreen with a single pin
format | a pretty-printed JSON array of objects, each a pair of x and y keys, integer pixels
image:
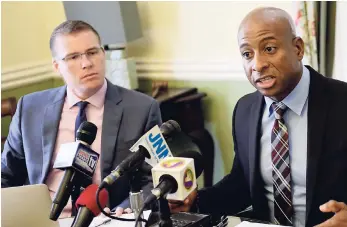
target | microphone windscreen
[
  {"x": 181, "y": 145},
  {"x": 88, "y": 199},
  {"x": 169, "y": 127},
  {"x": 86, "y": 132}
]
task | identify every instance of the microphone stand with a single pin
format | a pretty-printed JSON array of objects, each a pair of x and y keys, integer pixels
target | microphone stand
[
  {"x": 136, "y": 194},
  {"x": 77, "y": 188},
  {"x": 164, "y": 213}
]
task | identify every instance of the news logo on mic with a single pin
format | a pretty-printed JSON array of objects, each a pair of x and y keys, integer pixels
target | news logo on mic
[
  {"x": 182, "y": 170},
  {"x": 83, "y": 159},
  {"x": 86, "y": 160},
  {"x": 155, "y": 144}
]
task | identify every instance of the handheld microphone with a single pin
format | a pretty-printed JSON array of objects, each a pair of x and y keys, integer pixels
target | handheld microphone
[
  {"x": 151, "y": 147},
  {"x": 87, "y": 206},
  {"x": 173, "y": 178},
  {"x": 79, "y": 163}
]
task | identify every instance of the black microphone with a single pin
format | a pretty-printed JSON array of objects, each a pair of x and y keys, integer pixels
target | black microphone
[
  {"x": 181, "y": 145},
  {"x": 151, "y": 146},
  {"x": 79, "y": 162}
]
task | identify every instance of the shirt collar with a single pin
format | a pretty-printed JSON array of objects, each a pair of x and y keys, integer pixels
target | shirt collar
[
  {"x": 297, "y": 98},
  {"x": 96, "y": 100}
]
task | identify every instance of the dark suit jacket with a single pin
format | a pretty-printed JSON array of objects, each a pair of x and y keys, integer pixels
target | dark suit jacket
[
  {"x": 29, "y": 146},
  {"x": 326, "y": 155}
]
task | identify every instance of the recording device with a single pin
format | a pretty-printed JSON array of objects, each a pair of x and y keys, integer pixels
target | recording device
[
  {"x": 184, "y": 219},
  {"x": 79, "y": 162},
  {"x": 87, "y": 206},
  {"x": 151, "y": 147},
  {"x": 174, "y": 178}
]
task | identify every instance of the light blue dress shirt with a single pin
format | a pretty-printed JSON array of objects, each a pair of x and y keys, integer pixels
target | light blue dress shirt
[{"x": 296, "y": 121}]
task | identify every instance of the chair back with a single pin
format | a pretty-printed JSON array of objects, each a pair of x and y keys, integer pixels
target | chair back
[{"x": 8, "y": 108}]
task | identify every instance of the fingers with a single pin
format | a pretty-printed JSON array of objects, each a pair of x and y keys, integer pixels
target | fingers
[
  {"x": 332, "y": 206},
  {"x": 119, "y": 211},
  {"x": 128, "y": 211},
  {"x": 340, "y": 217},
  {"x": 179, "y": 206},
  {"x": 177, "y": 203},
  {"x": 107, "y": 210},
  {"x": 187, "y": 201},
  {"x": 179, "y": 209}
]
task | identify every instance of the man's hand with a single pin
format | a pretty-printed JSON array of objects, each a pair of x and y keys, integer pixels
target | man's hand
[
  {"x": 106, "y": 210},
  {"x": 340, "y": 217},
  {"x": 178, "y": 206},
  {"x": 119, "y": 211}
]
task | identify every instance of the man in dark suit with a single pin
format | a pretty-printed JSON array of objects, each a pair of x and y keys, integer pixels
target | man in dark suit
[
  {"x": 44, "y": 120},
  {"x": 290, "y": 137}
]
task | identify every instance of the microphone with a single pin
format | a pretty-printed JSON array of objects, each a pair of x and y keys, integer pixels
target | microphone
[
  {"x": 151, "y": 147},
  {"x": 173, "y": 178},
  {"x": 79, "y": 163},
  {"x": 87, "y": 206}
]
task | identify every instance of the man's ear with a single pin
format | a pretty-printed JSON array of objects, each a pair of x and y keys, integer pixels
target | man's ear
[
  {"x": 55, "y": 65},
  {"x": 299, "y": 47}
]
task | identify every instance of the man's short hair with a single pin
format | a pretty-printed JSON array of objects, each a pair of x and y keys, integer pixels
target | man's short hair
[{"x": 70, "y": 27}]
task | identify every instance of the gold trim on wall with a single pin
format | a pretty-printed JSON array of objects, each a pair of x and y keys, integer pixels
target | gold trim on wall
[
  {"x": 189, "y": 70},
  {"x": 26, "y": 74},
  {"x": 152, "y": 69}
]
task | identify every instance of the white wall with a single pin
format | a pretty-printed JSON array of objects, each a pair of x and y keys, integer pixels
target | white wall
[
  {"x": 192, "y": 36},
  {"x": 25, "y": 31}
]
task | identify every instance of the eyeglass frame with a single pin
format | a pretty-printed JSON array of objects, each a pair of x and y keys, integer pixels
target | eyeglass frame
[{"x": 80, "y": 54}]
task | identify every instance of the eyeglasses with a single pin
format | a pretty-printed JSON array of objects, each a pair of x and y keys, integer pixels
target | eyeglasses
[{"x": 77, "y": 57}]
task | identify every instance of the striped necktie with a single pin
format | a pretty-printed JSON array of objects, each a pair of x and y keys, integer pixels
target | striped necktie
[{"x": 281, "y": 177}]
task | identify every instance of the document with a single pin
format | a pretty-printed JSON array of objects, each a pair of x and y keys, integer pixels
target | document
[
  {"x": 252, "y": 224},
  {"x": 102, "y": 221}
]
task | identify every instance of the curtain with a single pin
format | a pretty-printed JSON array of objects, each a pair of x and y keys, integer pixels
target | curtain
[
  {"x": 315, "y": 23},
  {"x": 305, "y": 22},
  {"x": 340, "y": 61}
]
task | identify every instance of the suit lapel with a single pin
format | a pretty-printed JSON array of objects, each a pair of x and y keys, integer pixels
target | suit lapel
[
  {"x": 50, "y": 129},
  {"x": 254, "y": 138},
  {"x": 110, "y": 127},
  {"x": 316, "y": 121}
]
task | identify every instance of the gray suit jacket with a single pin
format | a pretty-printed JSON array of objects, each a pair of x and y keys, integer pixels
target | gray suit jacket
[{"x": 30, "y": 144}]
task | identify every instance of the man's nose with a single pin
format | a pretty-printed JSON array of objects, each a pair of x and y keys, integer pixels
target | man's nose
[
  {"x": 86, "y": 62},
  {"x": 259, "y": 63}
]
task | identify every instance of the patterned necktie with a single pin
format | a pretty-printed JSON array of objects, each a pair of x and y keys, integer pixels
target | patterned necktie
[
  {"x": 281, "y": 177},
  {"x": 81, "y": 116}
]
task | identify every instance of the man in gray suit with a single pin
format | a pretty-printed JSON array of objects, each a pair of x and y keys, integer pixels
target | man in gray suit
[{"x": 44, "y": 120}]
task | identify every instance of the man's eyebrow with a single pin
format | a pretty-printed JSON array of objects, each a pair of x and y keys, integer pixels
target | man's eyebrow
[
  {"x": 92, "y": 48},
  {"x": 73, "y": 53},
  {"x": 244, "y": 45},
  {"x": 268, "y": 38}
]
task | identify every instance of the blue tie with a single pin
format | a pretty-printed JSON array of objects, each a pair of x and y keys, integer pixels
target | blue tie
[{"x": 81, "y": 116}]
